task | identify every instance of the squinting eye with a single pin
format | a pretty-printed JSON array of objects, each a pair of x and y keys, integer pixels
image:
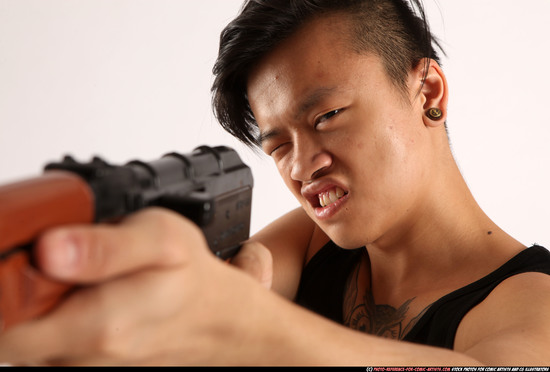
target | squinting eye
[
  {"x": 275, "y": 149},
  {"x": 327, "y": 116}
]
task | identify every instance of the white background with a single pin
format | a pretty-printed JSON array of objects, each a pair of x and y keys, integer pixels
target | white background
[{"x": 130, "y": 79}]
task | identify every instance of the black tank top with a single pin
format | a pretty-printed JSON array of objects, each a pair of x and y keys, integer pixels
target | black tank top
[{"x": 323, "y": 284}]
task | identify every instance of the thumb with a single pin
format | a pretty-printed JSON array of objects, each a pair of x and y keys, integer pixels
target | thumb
[{"x": 256, "y": 260}]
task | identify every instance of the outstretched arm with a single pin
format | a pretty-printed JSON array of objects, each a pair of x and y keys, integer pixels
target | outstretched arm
[{"x": 153, "y": 294}]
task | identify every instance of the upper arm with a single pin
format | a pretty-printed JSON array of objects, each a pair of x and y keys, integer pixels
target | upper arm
[
  {"x": 512, "y": 325},
  {"x": 289, "y": 238}
]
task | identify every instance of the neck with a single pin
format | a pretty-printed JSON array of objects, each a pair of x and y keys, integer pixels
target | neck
[{"x": 448, "y": 231}]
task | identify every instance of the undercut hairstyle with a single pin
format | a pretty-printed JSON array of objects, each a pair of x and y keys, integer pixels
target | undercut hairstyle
[{"x": 396, "y": 30}]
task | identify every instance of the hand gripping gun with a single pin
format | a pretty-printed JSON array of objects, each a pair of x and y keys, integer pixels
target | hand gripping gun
[{"x": 211, "y": 186}]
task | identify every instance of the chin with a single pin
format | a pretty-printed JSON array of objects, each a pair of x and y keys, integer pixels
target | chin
[
  {"x": 349, "y": 235},
  {"x": 347, "y": 241}
]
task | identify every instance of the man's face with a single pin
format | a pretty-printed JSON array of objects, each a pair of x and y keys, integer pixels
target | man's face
[{"x": 348, "y": 144}]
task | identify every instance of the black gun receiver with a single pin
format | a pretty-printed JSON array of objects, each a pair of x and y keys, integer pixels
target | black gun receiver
[{"x": 211, "y": 186}]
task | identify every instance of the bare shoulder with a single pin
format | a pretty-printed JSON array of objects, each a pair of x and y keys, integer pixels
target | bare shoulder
[
  {"x": 512, "y": 325},
  {"x": 289, "y": 238},
  {"x": 294, "y": 228}
]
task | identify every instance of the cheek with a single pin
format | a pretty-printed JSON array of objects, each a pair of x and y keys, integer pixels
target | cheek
[
  {"x": 401, "y": 168},
  {"x": 387, "y": 162},
  {"x": 284, "y": 169}
]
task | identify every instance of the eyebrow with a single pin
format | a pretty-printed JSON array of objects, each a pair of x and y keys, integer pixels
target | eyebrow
[
  {"x": 313, "y": 99},
  {"x": 263, "y": 137},
  {"x": 307, "y": 103}
]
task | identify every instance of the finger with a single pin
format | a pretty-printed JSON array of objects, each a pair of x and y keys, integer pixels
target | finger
[
  {"x": 106, "y": 324},
  {"x": 90, "y": 253},
  {"x": 255, "y": 259},
  {"x": 12, "y": 340}
]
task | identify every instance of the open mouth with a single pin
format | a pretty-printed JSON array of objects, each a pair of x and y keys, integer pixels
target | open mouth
[{"x": 330, "y": 196}]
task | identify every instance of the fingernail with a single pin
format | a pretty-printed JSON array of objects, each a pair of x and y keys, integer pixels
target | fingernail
[{"x": 62, "y": 257}]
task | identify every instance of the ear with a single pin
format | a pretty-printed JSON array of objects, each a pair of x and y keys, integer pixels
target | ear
[{"x": 433, "y": 92}]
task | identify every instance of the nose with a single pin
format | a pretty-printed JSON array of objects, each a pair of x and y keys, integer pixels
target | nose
[{"x": 309, "y": 158}]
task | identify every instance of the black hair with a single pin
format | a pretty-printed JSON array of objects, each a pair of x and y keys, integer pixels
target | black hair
[{"x": 396, "y": 30}]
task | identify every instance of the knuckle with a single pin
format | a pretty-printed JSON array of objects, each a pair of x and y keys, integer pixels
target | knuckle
[
  {"x": 112, "y": 341},
  {"x": 96, "y": 254},
  {"x": 112, "y": 331},
  {"x": 175, "y": 235}
]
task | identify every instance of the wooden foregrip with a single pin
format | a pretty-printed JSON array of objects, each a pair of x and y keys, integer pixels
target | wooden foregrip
[{"x": 28, "y": 208}]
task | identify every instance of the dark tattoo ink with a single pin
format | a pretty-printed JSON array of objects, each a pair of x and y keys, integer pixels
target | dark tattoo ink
[{"x": 381, "y": 320}]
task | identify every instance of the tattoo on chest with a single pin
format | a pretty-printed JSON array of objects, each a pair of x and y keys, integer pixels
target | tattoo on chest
[{"x": 369, "y": 317}]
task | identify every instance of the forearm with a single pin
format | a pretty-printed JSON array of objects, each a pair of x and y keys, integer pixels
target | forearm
[
  {"x": 288, "y": 239},
  {"x": 282, "y": 333}
]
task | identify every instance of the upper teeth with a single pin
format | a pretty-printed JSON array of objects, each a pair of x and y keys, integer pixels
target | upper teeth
[{"x": 330, "y": 196}]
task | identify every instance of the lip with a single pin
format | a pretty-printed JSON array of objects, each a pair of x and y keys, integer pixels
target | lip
[{"x": 311, "y": 193}]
